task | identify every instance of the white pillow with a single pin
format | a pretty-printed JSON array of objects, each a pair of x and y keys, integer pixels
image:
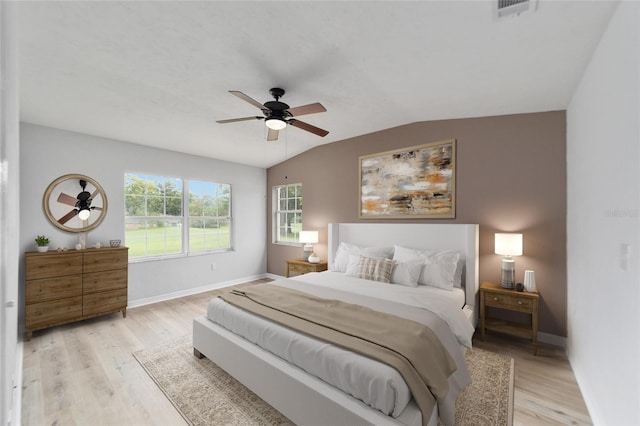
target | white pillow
[
  {"x": 341, "y": 260},
  {"x": 342, "y": 256},
  {"x": 352, "y": 266},
  {"x": 406, "y": 273},
  {"x": 439, "y": 268},
  {"x": 457, "y": 278}
]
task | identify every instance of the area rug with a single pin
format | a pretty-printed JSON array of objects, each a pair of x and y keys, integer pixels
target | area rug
[{"x": 206, "y": 395}]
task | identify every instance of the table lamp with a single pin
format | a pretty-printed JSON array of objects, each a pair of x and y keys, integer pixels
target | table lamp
[
  {"x": 508, "y": 245},
  {"x": 308, "y": 238}
]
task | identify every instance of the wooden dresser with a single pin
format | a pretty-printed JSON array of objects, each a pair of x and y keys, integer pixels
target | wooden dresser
[{"x": 73, "y": 285}]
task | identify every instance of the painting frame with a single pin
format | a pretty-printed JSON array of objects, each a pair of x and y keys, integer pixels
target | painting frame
[{"x": 416, "y": 182}]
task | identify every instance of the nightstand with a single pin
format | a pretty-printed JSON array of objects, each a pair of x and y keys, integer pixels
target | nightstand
[
  {"x": 494, "y": 296},
  {"x": 304, "y": 267}
]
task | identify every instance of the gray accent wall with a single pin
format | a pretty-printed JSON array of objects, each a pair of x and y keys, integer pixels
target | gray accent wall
[{"x": 511, "y": 177}]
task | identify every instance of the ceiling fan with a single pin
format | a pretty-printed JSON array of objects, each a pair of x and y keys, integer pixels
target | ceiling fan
[
  {"x": 82, "y": 203},
  {"x": 278, "y": 114}
]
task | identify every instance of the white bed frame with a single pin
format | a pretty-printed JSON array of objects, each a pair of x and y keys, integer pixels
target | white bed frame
[{"x": 303, "y": 398}]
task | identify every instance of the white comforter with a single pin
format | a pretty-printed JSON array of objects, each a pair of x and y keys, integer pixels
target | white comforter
[{"x": 374, "y": 383}]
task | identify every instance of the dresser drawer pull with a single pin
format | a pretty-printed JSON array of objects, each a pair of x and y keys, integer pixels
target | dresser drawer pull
[{"x": 519, "y": 302}]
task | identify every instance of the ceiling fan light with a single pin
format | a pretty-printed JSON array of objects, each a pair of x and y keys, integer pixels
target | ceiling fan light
[
  {"x": 276, "y": 124},
  {"x": 84, "y": 214}
]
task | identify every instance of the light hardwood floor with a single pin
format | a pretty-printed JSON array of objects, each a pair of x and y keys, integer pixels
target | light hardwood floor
[{"x": 84, "y": 373}]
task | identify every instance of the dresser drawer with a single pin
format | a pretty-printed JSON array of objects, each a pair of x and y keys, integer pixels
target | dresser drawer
[
  {"x": 53, "y": 288},
  {"x": 104, "y": 302},
  {"x": 106, "y": 260},
  {"x": 46, "y": 314},
  {"x": 102, "y": 281},
  {"x": 52, "y": 265},
  {"x": 512, "y": 302}
]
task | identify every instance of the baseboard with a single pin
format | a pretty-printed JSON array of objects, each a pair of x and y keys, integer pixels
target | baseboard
[
  {"x": 589, "y": 401},
  {"x": 177, "y": 294},
  {"x": 553, "y": 339},
  {"x": 274, "y": 276}
]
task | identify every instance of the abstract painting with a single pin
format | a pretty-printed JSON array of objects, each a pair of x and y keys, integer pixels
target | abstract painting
[{"x": 409, "y": 183}]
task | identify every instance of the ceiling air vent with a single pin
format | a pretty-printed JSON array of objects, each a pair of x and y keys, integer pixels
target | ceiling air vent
[{"x": 506, "y": 8}]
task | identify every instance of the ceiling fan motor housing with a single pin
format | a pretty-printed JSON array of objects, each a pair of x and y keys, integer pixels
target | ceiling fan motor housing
[{"x": 277, "y": 92}]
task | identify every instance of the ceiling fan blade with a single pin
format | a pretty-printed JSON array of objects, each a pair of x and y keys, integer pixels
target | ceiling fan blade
[
  {"x": 247, "y": 99},
  {"x": 308, "y": 127},
  {"x": 233, "y": 120},
  {"x": 96, "y": 208},
  {"x": 272, "y": 135},
  {"x": 64, "y": 219},
  {"x": 67, "y": 199},
  {"x": 307, "y": 109}
]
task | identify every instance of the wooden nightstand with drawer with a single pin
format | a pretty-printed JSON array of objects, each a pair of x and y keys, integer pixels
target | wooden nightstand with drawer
[
  {"x": 303, "y": 267},
  {"x": 494, "y": 296}
]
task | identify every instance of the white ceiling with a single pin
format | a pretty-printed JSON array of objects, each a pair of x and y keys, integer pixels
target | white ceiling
[{"x": 158, "y": 73}]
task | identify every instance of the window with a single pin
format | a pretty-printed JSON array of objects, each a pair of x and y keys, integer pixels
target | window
[
  {"x": 209, "y": 216},
  {"x": 287, "y": 202},
  {"x": 153, "y": 215},
  {"x": 156, "y": 223}
]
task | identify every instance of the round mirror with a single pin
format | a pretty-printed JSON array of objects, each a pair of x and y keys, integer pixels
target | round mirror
[{"x": 75, "y": 203}]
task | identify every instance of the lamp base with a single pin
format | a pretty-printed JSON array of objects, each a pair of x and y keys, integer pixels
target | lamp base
[
  {"x": 508, "y": 279},
  {"x": 308, "y": 249}
]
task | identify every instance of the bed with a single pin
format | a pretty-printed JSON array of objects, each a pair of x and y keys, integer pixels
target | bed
[{"x": 295, "y": 390}]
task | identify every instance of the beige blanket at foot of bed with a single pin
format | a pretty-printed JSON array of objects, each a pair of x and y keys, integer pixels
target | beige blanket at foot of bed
[{"x": 409, "y": 347}]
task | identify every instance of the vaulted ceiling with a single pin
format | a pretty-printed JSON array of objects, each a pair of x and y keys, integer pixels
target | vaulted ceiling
[{"x": 158, "y": 73}]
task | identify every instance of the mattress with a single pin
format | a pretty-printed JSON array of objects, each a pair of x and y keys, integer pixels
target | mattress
[{"x": 376, "y": 384}]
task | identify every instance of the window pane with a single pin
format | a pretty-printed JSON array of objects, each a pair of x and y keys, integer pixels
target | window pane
[
  {"x": 164, "y": 237},
  {"x": 210, "y": 234},
  {"x": 209, "y": 216},
  {"x": 153, "y": 215},
  {"x": 153, "y": 237},
  {"x": 155, "y": 206}
]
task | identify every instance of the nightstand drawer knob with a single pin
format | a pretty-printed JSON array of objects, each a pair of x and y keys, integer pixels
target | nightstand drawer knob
[
  {"x": 519, "y": 302},
  {"x": 495, "y": 298}
]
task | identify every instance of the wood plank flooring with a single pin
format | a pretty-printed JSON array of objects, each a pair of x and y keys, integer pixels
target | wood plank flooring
[{"x": 84, "y": 373}]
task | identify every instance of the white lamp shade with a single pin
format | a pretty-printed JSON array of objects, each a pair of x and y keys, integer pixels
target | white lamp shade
[
  {"x": 276, "y": 124},
  {"x": 509, "y": 244},
  {"x": 309, "y": 237},
  {"x": 84, "y": 214}
]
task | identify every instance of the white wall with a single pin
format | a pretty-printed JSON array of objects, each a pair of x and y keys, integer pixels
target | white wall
[
  {"x": 10, "y": 349},
  {"x": 47, "y": 153},
  {"x": 603, "y": 213}
]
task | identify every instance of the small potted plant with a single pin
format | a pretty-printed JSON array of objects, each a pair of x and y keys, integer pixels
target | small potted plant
[{"x": 42, "y": 242}]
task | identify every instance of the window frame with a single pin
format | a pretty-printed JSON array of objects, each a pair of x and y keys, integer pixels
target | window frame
[
  {"x": 277, "y": 212},
  {"x": 183, "y": 220}
]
